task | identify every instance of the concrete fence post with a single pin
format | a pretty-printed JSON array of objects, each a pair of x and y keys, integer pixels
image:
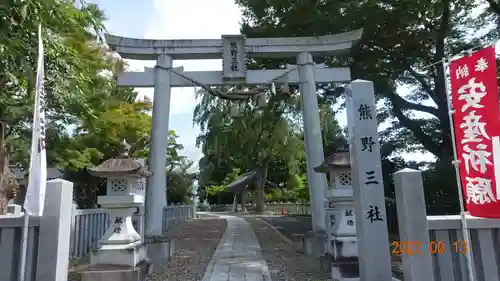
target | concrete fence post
[
  {"x": 413, "y": 230},
  {"x": 55, "y": 232}
]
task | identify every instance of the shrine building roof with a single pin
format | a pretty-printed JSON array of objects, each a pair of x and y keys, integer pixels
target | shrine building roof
[{"x": 242, "y": 181}]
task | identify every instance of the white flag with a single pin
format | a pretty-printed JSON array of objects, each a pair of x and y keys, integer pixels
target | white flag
[{"x": 35, "y": 193}]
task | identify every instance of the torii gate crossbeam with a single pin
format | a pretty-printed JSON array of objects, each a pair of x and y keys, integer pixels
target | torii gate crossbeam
[
  {"x": 186, "y": 49},
  {"x": 215, "y": 78}
]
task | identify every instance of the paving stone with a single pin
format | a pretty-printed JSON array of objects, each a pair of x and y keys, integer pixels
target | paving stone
[{"x": 238, "y": 256}]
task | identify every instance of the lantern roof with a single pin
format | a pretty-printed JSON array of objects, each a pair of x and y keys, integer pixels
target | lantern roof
[
  {"x": 122, "y": 165},
  {"x": 336, "y": 161}
]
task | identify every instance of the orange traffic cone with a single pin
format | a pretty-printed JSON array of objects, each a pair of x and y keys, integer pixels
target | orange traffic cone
[{"x": 282, "y": 211}]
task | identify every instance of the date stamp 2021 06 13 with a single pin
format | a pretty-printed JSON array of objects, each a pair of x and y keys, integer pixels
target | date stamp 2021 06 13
[{"x": 434, "y": 247}]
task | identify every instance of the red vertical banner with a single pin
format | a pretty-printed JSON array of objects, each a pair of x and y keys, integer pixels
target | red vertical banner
[{"x": 474, "y": 94}]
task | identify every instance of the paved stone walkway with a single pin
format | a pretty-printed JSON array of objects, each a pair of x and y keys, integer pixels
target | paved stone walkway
[{"x": 238, "y": 256}]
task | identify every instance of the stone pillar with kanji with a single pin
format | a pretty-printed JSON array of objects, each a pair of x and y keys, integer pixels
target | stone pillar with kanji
[
  {"x": 368, "y": 186},
  {"x": 340, "y": 217},
  {"x": 125, "y": 177}
]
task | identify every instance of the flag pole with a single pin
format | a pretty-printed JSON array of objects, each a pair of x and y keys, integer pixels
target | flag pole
[
  {"x": 456, "y": 162},
  {"x": 35, "y": 191},
  {"x": 25, "y": 231},
  {"x": 37, "y": 164},
  {"x": 24, "y": 247}
]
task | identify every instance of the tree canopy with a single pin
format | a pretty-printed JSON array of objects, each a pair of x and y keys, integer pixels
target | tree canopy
[
  {"x": 266, "y": 138},
  {"x": 402, "y": 48},
  {"x": 87, "y": 115},
  {"x": 401, "y": 51},
  {"x": 403, "y": 45}
]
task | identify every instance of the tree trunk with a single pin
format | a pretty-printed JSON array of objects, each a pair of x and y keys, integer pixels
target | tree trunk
[{"x": 260, "y": 182}]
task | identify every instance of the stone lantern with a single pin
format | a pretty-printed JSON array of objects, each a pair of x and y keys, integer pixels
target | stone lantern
[
  {"x": 121, "y": 245},
  {"x": 340, "y": 218}
]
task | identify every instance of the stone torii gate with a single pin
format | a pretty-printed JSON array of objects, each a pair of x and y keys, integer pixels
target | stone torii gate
[{"x": 234, "y": 50}]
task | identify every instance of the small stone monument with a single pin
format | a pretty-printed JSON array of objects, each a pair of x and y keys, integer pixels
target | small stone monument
[
  {"x": 9, "y": 187},
  {"x": 340, "y": 218},
  {"x": 120, "y": 255}
]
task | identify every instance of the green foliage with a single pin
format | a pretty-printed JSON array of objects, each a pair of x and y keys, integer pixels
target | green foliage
[
  {"x": 256, "y": 140},
  {"x": 268, "y": 140},
  {"x": 273, "y": 194},
  {"x": 73, "y": 63},
  {"x": 180, "y": 180},
  {"x": 403, "y": 44},
  {"x": 298, "y": 185},
  {"x": 217, "y": 190},
  {"x": 87, "y": 115},
  {"x": 99, "y": 138},
  {"x": 232, "y": 176}
]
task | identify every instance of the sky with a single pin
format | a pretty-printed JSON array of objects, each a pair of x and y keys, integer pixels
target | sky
[{"x": 186, "y": 19}]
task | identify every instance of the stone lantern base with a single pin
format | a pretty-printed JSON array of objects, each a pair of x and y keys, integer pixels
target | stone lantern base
[
  {"x": 129, "y": 255},
  {"x": 118, "y": 262},
  {"x": 117, "y": 273},
  {"x": 345, "y": 263}
]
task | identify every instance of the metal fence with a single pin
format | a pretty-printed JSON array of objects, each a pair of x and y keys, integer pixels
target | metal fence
[
  {"x": 288, "y": 208},
  {"x": 89, "y": 225},
  {"x": 273, "y": 208},
  {"x": 11, "y": 247},
  {"x": 450, "y": 263},
  {"x": 176, "y": 214}
]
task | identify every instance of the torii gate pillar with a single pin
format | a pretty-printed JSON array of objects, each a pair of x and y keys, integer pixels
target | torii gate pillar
[
  {"x": 312, "y": 141},
  {"x": 156, "y": 193},
  {"x": 234, "y": 49}
]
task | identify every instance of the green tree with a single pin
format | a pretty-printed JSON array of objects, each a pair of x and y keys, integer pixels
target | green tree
[
  {"x": 87, "y": 115},
  {"x": 95, "y": 140},
  {"x": 262, "y": 136},
  {"x": 180, "y": 180},
  {"x": 74, "y": 62},
  {"x": 300, "y": 190},
  {"x": 216, "y": 190},
  {"x": 403, "y": 43},
  {"x": 267, "y": 138},
  {"x": 99, "y": 138}
]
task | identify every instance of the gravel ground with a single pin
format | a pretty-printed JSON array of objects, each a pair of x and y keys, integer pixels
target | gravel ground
[
  {"x": 285, "y": 262},
  {"x": 195, "y": 243},
  {"x": 290, "y": 225}
]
